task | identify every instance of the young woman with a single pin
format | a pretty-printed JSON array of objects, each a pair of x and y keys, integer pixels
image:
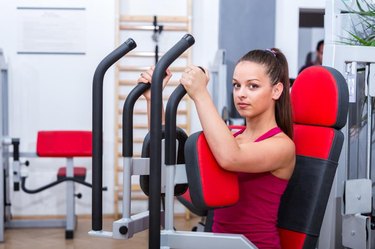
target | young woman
[{"x": 263, "y": 153}]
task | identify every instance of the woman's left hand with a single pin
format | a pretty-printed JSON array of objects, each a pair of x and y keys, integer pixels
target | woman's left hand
[{"x": 195, "y": 80}]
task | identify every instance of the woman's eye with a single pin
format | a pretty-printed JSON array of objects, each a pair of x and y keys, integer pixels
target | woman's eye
[
  {"x": 253, "y": 86},
  {"x": 236, "y": 85}
]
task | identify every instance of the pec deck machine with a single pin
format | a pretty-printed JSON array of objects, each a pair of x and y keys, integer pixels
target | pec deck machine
[{"x": 174, "y": 164}]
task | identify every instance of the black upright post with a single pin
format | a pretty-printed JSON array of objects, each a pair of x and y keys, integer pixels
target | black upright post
[
  {"x": 97, "y": 130},
  {"x": 156, "y": 135}
]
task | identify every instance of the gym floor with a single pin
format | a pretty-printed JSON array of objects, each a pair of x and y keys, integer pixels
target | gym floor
[{"x": 54, "y": 238}]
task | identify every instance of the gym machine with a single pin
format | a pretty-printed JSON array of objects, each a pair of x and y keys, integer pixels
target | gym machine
[
  {"x": 61, "y": 144},
  {"x": 128, "y": 225},
  {"x": 349, "y": 219},
  {"x": 315, "y": 166}
]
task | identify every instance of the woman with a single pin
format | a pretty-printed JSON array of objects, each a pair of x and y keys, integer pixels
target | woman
[{"x": 263, "y": 153}]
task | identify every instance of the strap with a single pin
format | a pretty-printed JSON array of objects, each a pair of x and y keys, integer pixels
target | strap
[{"x": 269, "y": 134}]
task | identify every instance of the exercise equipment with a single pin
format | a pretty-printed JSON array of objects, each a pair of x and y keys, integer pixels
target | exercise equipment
[
  {"x": 14, "y": 169},
  {"x": 319, "y": 171},
  {"x": 56, "y": 144},
  {"x": 129, "y": 225}
]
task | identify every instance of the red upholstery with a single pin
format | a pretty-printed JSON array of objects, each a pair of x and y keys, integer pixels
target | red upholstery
[
  {"x": 294, "y": 239},
  {"x": 64, "y": 143},
  {"x": 320, "y": 105},
  {"x": 77, "y": 172},
  {"x": 320, "y": 99},
  {"x": 210, "y": 186},
  {"x": 313, "y": 141}
]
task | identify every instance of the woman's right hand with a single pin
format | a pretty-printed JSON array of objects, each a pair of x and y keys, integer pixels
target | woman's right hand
[{"x": 146, "y": 77}]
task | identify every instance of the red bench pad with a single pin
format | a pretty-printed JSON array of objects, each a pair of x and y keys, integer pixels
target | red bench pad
[{"x": 64, "y": 144}]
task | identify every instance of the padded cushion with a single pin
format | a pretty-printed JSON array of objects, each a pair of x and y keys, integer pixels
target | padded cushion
[
  {"x": 210, "y": 185},
  {"x": 144, "y": 180},
  {"x": 185, "y": 199},
  {"x": 320, "y": 102},
  {"x": 78, "y": 172},
  {"x": 64, "y": 143},
  {"x": 319, "y": 95}
]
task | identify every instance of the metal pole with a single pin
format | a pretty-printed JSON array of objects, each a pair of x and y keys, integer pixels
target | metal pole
[
  {"x": 156, "y": 135},
  {"x": 97, "y": 130}
]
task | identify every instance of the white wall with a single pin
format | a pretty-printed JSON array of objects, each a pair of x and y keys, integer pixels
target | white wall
[
  {"x": 287, "y": 25},
  {"x": 54, "y": 92}
]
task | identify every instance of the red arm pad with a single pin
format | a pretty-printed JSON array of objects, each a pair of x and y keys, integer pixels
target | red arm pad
[{"x": 210, "y": 185}]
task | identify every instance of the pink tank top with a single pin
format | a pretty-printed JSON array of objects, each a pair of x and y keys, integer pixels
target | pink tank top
[{"x": 255, "y": 214}]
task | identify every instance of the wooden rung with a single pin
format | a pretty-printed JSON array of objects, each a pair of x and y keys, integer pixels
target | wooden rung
[
  {"x": 139, "y": 197},
  {"x": 125, "y": 18},
  {"x": 123, "y": 97},
  {"x": 135, "y": 140},
  {"x": 145, "y": 68},
  {"x": 135, "y": 155},
  {"x": 134, "y": 82},
  {"x": 151, "y": 27},
  {"x": 145, "y": 126},
  {"x": 150, "y": 54},
  {"x": 144, "y": 112}
]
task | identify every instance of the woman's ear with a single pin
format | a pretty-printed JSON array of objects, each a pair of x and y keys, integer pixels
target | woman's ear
[{"x": 277, "y": 90}]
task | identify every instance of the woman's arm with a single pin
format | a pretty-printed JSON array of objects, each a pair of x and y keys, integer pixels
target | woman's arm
[
  {"x": 146, "y": 77},
  {"x": 267, "y": 155}
]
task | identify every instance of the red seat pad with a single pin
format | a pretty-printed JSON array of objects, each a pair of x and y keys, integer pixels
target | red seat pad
[
  {"x": 210, "y": 185},
  {"x": 64, "y": 143},
  {"x": 77, "y": 171}
]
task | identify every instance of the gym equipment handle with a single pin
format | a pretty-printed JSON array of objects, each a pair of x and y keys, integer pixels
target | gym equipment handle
[
  {"x": 170, "y": 125},
  {"x": 127, "y": 118},
  {"x": 97, "y": 130},
  {"x": 156, "y": 136}
]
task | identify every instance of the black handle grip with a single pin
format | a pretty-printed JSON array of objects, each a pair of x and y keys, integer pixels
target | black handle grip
[
  {"x": 127, "y": 118},
  {"x": 97, "y": 130},
  {"x": 170, "y": 125},
  {"x": 156, "y": 136}
]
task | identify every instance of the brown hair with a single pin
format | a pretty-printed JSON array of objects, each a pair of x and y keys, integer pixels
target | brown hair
[{"x": 277, "y": 70}]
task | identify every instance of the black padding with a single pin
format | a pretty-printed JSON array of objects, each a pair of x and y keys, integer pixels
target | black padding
[
  {"x": 144, "y": 180},
  {"x": 193, "y": 173},
  {"x": 191, "y": 207},
  {"x": 336, "y": 146},
  {"x": 305, "y": 199},
  {"x": 310, "y": 242},
  {"x": 343, "y": 97}
]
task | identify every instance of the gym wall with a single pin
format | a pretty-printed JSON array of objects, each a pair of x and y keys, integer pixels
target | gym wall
[{"x": 50, "y": 91}]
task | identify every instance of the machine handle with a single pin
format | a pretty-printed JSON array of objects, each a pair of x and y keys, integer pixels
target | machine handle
[
  {"x": 97, "y": 130},
  {"x": 127, "y": 118},
  {"x": 170, "y": 125},
  {"x": 156, "y": 136}
]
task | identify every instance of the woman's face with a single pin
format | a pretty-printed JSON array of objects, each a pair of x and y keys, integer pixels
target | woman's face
[{"x": 253, "y": 92}]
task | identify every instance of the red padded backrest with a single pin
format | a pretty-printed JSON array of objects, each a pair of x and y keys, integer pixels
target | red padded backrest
[
  {"x": 316, "y": 98},
  {"x": 320, "y": 104},
  {"x": 64, "y": 143}
]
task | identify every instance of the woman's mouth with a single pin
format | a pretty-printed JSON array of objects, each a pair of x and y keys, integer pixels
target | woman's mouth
[{"x": 242, "y": 105}]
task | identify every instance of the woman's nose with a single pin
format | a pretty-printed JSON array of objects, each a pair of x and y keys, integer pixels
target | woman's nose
[{"x": 241, "y": 92}]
